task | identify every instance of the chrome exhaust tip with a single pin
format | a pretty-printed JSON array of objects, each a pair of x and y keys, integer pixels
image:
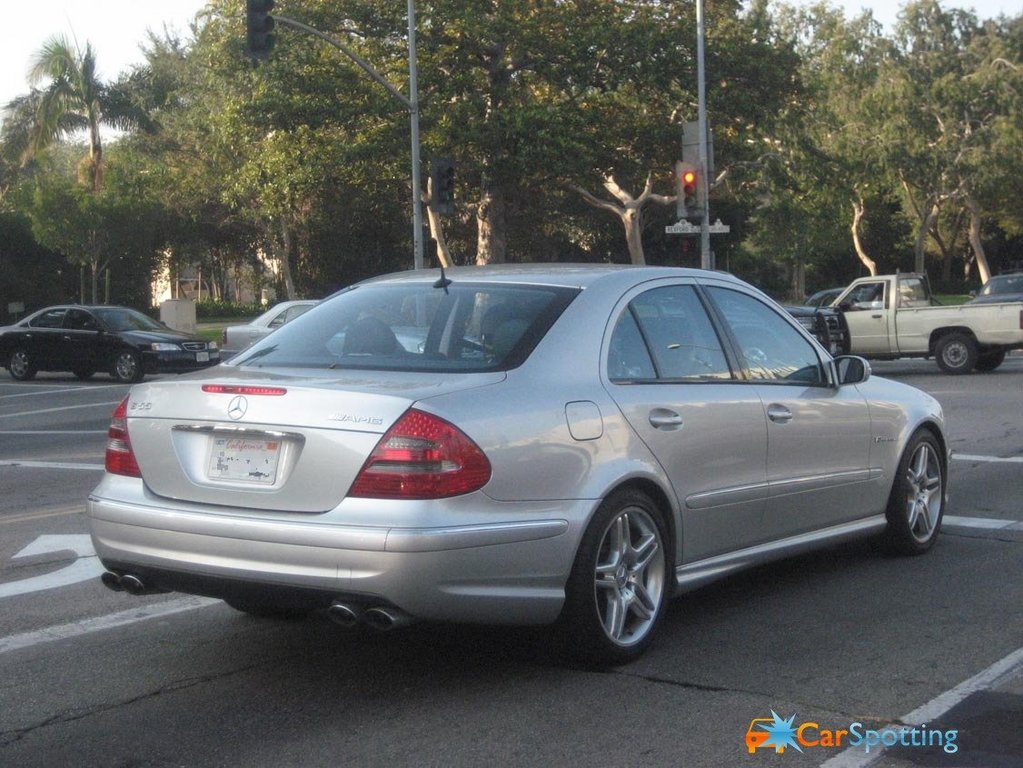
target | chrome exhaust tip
[
  {"x": 385, "y": 618},
  {"x": 344, "y": 615},
  {"x": 132, "y": 584},
  {"x": 112, "y": 581}
]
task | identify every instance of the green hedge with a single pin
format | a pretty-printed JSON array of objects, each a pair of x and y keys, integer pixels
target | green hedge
[{"x": 219, "y": 308}]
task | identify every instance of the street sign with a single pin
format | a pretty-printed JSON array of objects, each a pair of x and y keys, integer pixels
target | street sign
[
  {"x": 682, "y": 228},
  {"x": 717, "y": 228}
]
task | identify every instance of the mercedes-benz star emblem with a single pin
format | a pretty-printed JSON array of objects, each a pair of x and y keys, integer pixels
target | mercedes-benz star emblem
[{"x": 237, "y": 407}]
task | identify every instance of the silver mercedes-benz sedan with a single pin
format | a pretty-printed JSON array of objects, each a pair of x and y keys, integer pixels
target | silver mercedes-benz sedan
[{"x": 542, "y": 444}]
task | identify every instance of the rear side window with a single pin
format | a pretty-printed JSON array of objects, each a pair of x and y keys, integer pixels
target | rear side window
[
  {"x": 665, "y": 334},
  {"x": 417, "y": 327},
  {"x": 54, "y": 318}
]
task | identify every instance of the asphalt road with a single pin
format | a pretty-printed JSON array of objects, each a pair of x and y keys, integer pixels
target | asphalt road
[{"x": 846, "y": 636}]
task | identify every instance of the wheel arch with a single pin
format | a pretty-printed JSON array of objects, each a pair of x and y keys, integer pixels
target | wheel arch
[
  {"x": 939, "y": 333},
  {"x": 662, "y": 499}
]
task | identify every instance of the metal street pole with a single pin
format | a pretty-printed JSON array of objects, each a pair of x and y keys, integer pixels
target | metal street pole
[
  {"x": 706, "y": 257},
  {"x": 412, "y": 103},
  {"x": 413, "y": 87}
]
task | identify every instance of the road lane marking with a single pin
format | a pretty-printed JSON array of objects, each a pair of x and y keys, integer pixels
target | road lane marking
[
  {"x": 991, "y": 523},
  {"x": 53, "y": 431},
  {"x": 57, "y": 410},
  {"x": 59, "y": 391},
  {"x": 42, "y": 513},
  {"x": 50, "y": 465},
  {"x": 100, "y": 623},
  {"x": 991, "y": 459},
  {"x": 85, "y": 567},
  {"x": 1004, "y": 669}
]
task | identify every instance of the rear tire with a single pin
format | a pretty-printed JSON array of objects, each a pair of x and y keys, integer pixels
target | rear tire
[
  {"x": 620, "y": 582},
  {"x": 20, "y": 365},
  {"x": 956, "y": 353},
  {"x": 917, "y": 501},
  {"x": 988, "y": 361}
]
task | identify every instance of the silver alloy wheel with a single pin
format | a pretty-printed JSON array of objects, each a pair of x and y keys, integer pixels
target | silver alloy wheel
[
  {"x": 923, "y": 492},
  {"x": 629, "y": 579},
  {"x": 19, "y": 364},
  {"x": 126, "y": 367}
]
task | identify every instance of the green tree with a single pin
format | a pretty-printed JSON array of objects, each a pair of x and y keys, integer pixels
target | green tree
[{"x": 72, "y": 99}]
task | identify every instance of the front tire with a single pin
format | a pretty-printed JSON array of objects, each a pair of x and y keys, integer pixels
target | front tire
[
  {"x": 917, "y": 501},
  {"x": 956, "y": 353},
  {"x": 127, "y": 367},
  {"x": 20, "y": 365},
  {"x": 620, "y": 581}
]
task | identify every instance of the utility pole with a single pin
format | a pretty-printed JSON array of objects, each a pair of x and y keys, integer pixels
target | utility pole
[
  {"x": 706, "y": 256},
  {"x": 411, "y": 102}
]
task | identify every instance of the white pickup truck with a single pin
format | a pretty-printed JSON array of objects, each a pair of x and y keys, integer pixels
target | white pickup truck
[{"x": 893, "y": 316}]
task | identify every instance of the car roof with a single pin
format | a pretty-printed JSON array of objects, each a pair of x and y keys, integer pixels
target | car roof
[{"x": 561, "y": 275}]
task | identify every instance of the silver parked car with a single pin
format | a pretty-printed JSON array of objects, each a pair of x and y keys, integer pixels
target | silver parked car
[
  {"x": 545, "y": 444},
  {"x": 240, "y": 336}
]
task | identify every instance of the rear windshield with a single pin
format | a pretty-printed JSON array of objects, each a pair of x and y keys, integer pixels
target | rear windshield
[{"x": 416, "y": 327}]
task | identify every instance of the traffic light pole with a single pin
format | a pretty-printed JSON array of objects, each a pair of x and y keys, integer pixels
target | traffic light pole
[
  {"x": 411, "y": 102},
  {"x": 706, "y": 256}
]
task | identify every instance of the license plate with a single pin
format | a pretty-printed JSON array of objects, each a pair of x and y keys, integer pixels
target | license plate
[
  {"x": 202, "y": 357},
  {"x": 244, "y": 459}
]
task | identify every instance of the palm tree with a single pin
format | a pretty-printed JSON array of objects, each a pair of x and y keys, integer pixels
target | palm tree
[{"x": 71, "y": 100}]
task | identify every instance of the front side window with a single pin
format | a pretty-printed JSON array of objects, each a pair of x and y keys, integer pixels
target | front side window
[
  {"x": 665, "y": 334},
  {"x": 772, "y": 349},
  {"x": 867, "y": 296},
  {"x": 417, "y": 327}
]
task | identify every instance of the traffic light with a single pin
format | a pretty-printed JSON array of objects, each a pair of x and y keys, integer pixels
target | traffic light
[
  {"x": 442, "y": 183},
  {"x": 259, "y": 26},
  {"x": 687, "y": 180}
]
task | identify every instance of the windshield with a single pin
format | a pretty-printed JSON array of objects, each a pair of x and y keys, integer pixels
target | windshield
[
  {"x": 998, "y": 285},
  {"x": 416, "y": 327},
  {"x": 121, "y": 319}
]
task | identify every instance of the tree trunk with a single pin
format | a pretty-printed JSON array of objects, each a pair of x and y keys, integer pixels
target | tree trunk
[
  {"x": 984, "y": 271},
  {"x": 436, "y": 227},
  {"x": 919, "y": 263},
  {"x": 858, "y": 209},
  {"x": 491, "y": 238},
  {"x": 284, "y": 259},
  {"x": 632, "y": 219}
]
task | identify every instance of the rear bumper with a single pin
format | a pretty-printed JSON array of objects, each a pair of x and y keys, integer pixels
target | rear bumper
[{"x": 507, "y": 572}]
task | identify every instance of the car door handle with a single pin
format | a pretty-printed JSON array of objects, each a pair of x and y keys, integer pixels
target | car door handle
[
  {"x": 779, "y": 414},
  {"x": 663, "y": 418}
]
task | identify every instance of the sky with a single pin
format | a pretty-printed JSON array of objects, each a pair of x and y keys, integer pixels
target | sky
[{"x": 116, "y": 28}]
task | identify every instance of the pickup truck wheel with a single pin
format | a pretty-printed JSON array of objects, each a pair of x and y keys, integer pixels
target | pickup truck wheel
[
  {"x": 956, "y": 353},
  {"x": 990, "y": 360}
]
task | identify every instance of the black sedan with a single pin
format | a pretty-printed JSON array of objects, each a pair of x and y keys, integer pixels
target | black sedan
[{"x": 123, "y": 342}]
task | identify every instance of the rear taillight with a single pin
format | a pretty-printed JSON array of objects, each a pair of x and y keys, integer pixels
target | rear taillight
[
  {"x": 120, "y": 459},
  {"x": 422, "y": 457}
]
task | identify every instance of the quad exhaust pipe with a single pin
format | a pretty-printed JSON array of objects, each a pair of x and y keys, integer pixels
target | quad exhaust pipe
[
  {"x": 128, "y": 582},
  {"x": 382, "y": 617}
]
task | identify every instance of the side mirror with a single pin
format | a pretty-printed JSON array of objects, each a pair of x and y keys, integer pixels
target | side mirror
[{"x": 851, "y": 369}]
